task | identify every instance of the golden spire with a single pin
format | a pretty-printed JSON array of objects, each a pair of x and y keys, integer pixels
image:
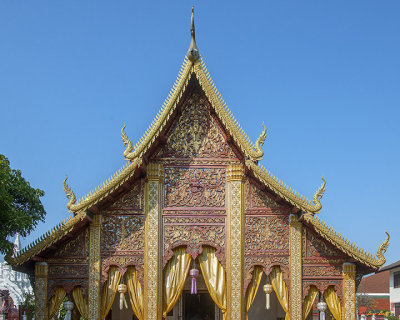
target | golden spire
[{"x": 193, "y": 52}]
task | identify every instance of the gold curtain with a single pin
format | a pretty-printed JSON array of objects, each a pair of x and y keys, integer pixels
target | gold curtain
[
  {"x": 80, "y": 302},
  {"x": 175, "y": 274},
  {"x": 309, "y": 301},
  {"x": 253, "y": 287},
  {"x": 135, "y": 291},
  {"x": 109, "y": 290},
  {"x": 214, "y": 277},
  {"x": 333, "y": 302},
  {"x": 279, "y": 286},
  {"x": 55, "y": 301}
]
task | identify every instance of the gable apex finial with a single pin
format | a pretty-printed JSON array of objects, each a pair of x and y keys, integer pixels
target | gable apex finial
[{"x": 193, "y": 52}]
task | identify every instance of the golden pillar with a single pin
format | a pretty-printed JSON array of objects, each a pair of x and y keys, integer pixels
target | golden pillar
[
  {"x": 94, "y": 268},
  {"x": 153, "y": 243},
  {"x": 349, "y": 291},
  {"x": 295, "y": 295},
  {"x": 41, "y": 271},
  {"x": 235, "y": 242}
]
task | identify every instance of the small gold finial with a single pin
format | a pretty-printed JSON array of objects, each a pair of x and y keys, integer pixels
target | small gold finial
[{"x": 193, "y": 52}]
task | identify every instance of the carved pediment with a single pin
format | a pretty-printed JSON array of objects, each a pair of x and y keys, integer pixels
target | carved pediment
[{"x": 195, "y": 133}]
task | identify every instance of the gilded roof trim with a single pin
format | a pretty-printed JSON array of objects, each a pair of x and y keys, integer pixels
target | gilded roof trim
[
  {"x": 252, "y": 151},
  {"x": 102, "y": 191},
  {"x": 162, "y": 116},
  {"x": 349, "y": 248},
  {"x": 45, "y": 241},
  {"x": 285, "y": 191}
]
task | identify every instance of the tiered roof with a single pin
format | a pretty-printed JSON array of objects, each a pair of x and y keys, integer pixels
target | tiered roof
[{"x": 194, "y": 67}]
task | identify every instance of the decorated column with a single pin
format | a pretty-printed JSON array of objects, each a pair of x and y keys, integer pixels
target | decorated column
[
  {"x": 235, "y": 242},
  {"x": 41, "y": 272},
  {"x": 295, "y": 295},
  {"x": 94, "y": 268},
  {"x": 153, "y": 243},
  {"x": 349, "y": 291}
]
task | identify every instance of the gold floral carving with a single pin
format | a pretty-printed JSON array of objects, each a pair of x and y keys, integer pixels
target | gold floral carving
[
  {"x": 94, "y": 268},
  {"x": 349, "y": 291},
  {"x": 295, "y": 295},
  {"x": 73, "y": 248},
  {"x": 41, "y": 273},
  {"x": 235, "y": 242},
  {"x": 195, "y": 134},
  {"x": 133, "y": 199},
  {"x": 122, "y": 233},
  {"x": 267, "y": 233},
  {"x": 317, "y": 247},
  {"x": 194, "y": 187},
  {"x": 153, "y": 249},
  {"x": 257, "y": 198}
]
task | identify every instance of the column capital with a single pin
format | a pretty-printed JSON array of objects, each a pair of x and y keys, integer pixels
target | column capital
[
  {"x": 155, "y": 172},
  {"x": 235, "y": 172},
  {"x": 349, "y": 270},
  {"x": 41, "y": 269}
]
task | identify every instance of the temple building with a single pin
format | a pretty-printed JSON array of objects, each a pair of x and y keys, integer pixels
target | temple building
[{"x": 193, "y": 227}]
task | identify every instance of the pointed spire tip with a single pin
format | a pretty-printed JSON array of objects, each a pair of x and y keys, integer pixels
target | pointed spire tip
[{"x": 193, "y": 52}]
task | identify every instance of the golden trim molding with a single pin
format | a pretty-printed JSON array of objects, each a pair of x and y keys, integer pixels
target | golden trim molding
[
  {"x": 41, "y": 272},
  {"x": 153, "y": 243},
  {"x": 235, "y": 242},
  {"x": 349, "y": 291},
  {"x": 94, "y": 268},
  {"x": 296, "y": 290}
]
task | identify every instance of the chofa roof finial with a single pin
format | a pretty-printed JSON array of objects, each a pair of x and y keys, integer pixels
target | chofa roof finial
[{"x": 193, "y": 52}]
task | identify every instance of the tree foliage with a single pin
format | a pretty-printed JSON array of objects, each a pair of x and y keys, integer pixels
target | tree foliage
[{"x": 20, "y": 205}]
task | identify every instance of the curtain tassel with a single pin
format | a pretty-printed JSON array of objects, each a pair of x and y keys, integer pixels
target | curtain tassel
[
  {"x": 267, "y": 289},
  {"x": 194, "y": 273},
  {"x": 122, "y": 301}
]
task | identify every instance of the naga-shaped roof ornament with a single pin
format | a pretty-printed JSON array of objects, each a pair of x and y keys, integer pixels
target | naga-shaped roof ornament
[
  {"x": 258, "y": 151},
  {"x": 127, "y": 143},
  {"x": 69, "y": 193},
  {"x": 193, "y": 52}
]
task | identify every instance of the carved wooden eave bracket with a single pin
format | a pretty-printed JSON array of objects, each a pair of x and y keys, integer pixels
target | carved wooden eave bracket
[
  {"x": 287, "y": 193},
  {"x": 47, "y": 240},
  {"x": 348, "y": 247}
]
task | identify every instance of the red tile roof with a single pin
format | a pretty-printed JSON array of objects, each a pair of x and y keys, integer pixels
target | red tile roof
[{"x": 376, "y": 283}]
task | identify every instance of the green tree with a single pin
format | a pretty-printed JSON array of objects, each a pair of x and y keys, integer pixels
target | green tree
[{"x": 20, "y": 205}]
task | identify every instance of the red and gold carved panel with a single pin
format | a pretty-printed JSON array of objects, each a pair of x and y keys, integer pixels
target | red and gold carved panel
[
  {"x": 256, "y": 198},
  {"x": 67, "y": 276},
  {"x": 267, "y": 261},
  {"x": 122, "y": 233},
  {"x": 196, "y": 134},
  {"x": 194, "y": 187},
  {"x": 122, "y": 261},
  {"x": 73, "y": 250},
  {"x": 267, "y": 233},
  {"x": 322, "y": 285},
  {"x": 131, "y": 200},
  {"x": 327, "y": 271},
  {"x": 193, "y": 232},
  {"x": 314, "y": 248}
]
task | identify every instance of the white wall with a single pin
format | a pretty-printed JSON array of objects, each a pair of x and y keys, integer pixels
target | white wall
[{"x": 394, "y": 292}]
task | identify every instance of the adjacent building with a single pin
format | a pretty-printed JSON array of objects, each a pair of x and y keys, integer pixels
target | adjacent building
[{"x": 394, "y": 286}]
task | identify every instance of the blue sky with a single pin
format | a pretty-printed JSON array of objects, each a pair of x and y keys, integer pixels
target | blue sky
[{"x": 324, "y": 76}]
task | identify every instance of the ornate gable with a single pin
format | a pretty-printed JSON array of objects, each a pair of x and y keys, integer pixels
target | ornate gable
[{"x": 196, "y": 134}]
